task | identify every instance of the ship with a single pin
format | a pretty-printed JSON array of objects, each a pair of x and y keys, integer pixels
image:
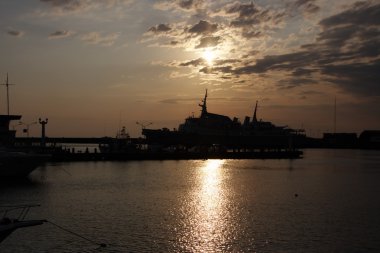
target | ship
[
  {"x": 211, "y": 129},
  {"x": 15, "y": 163}
]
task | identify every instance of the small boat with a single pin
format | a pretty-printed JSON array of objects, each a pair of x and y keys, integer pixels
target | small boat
[{"x": 9, "y": 225}]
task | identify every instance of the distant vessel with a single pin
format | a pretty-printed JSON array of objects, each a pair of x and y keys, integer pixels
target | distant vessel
[{"x": 215, "y": 129}]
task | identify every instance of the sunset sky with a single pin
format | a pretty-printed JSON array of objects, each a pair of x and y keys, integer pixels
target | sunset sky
[{"x": 92, "y": 66}]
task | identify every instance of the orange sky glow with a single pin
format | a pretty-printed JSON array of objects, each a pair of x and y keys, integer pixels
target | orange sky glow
[{"x": 92, "y": 67}]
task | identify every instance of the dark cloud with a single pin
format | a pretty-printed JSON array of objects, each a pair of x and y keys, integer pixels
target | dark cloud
[
  {"x": 189, "y": 4},
  {"x": 208, "y": 42},
  {"x": 308, "y": 6},
  {"x": 67, "y": 5},
  {"x": 203, "y": 27},
  {"x": 360, "y": 78},
  {"x": 216, "y": 70},
  {"x": 183, "y": 5},
  {"x": 60, "y": 34},
  {"x": 178, "y": 100},
  {"x": 226, "y": 61},
  {"x": 346, "y": 53},
  {"x": 252, "y": 34},
  {"x": 161, "y": 28},
  {"x": 174, "y": 43},
  {"x": 286, "y": 62},
  {"x": 252, "y": 19},
  {"x": 62, "y": 7},
  {"x": 14, "y": 33},
  {"x": 244, "y": 10},
  {"x": 361, "y": 13},
  {"x": 291, "y": 83},
  {"x": 249, "y": 15},
  {"x": 193, "y": 63},
  {"x": 303, "y": 72}
]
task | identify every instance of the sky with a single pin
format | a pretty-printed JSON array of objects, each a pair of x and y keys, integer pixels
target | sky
[{"x": 93, "y": 66}]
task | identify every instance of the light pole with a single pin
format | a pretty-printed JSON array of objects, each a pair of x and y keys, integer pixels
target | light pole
[
  {"x": 43, "y": 123},
  {"x": 27, "y": 125},
  {"x": 7, "y": 85}
]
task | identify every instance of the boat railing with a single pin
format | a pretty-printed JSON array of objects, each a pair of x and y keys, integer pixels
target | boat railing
[{"x": 23, "y": 210}]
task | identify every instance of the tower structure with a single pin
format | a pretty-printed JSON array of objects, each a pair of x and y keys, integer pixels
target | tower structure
[
  {"x": 204, "y": 106},
  {"x": 254, "y": 119},
  {"x": 7, "y": 85},
  {"x": 43, "y": 136},
  {"x": 7, "y": 135}
]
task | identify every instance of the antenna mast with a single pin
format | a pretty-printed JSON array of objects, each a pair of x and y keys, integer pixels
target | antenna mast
[
  {"x": 334, "y": 114},
  {"x": 204, "y": 106},
  {"x": 7, "y": 85}
]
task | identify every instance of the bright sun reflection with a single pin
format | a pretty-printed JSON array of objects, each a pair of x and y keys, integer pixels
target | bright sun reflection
[
  {"x": 209, "y": 55},
  {"x": 208, "y": 222},
  {"x": 211, "y": 178}
]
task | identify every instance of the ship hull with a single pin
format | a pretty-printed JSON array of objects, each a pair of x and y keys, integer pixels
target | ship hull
[
  {"x": 229, "y": 140},
  {"x": 18, "y": 165}
]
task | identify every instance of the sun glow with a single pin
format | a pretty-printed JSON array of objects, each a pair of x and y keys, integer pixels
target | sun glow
[{"x": 209, "y": 55}]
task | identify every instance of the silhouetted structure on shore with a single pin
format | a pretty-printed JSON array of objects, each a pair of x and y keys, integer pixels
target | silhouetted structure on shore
[{"x": 214, "y": 129}]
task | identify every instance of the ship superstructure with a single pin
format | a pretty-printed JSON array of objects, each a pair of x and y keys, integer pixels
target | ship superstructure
[{"x": 216, "y": 129}]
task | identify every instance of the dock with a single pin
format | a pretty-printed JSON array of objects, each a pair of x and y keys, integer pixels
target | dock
[{"x": 138, "y": 149}]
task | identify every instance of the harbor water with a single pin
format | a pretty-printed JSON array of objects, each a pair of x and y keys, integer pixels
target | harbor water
[{"x": 329, "y": 201}]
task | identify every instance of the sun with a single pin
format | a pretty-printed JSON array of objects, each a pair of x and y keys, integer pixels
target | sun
[{"x": 209, "y": 55}]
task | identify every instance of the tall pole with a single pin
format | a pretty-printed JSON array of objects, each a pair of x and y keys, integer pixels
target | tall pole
[
  {"x": 334, "y": 114},
  {"x": 7, "y": 85},
  {"x": 43, "y": 123}
]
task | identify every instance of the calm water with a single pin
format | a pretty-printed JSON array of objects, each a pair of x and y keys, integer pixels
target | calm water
[{"x": 204, "y": 206}]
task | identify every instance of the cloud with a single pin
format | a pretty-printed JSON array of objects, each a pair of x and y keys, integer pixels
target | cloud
[
  {"x": 194, "y": 63},
  {"x": 203, "y": 27},
  {"x": 64, "y": 7},
  {"x": 360, "y": 13},
  {"x": 184, "y": 5},
  {"x": 68, "y": 6},
  {"x": 248, "y": 15},
  {"x": 189, "y": 4},
  {"x": 97, "y": 38},
  {"x": 307, "y": 6},
  {"x": 346, "y": 53},
  {"x": 179, "y": 100},
  {"x": 60, "y": 34},
  {"x": 208, "y": 42},
  {"x": 341, "y": 51},
  {"x": 161, "y": 28},
  {"x": 15, "y": 33}
]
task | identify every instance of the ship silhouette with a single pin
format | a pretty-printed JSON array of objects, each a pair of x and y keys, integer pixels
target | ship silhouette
[{"x": 215, "y": 129}]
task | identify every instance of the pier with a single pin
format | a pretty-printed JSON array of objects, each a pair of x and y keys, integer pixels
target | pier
[{"x": 114, "y": 149}]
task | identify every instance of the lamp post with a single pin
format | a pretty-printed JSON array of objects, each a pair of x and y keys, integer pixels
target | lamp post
[{"x": 43, "y": 124}]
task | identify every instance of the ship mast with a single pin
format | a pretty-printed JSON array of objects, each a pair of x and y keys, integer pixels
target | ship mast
[
  {"x": 335, "y": 115},
  {"x": 7, "y": 85},
  {"x": 204, "y": 106},
  {"x": 254, "y": 119}
]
